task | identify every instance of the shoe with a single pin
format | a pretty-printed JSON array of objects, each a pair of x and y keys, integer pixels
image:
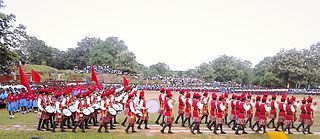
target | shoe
[
  {"x": 134, "y": 131},
  {"x": 199, "y": 132},
  {"x": 244, "y": 132},
  {"x": 83, "y": 131},
  {"x": 223, "y": 132},
  {"x": 146, "y": 128},
  {"x": 63, "y": 131},
  {"x": 139, "y": 127},
  {"x": 170, "y": 132},
  {"x": 162, "y": 131},
  {"x": 39, "y": 129}
]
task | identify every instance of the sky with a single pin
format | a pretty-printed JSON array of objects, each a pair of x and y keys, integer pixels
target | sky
[{"x": 180, "y": 33}]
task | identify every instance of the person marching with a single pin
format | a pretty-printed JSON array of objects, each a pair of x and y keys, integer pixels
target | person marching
[
  {"x": 273, "y": 112},
  {"x": 257, "y": 113},
  {"x": 249, "y": 112},
  {"x": 263, "y": 109},
  {"x": 213, "y": 111},
  {"x": 233, "y": 111},
  {"x": 59, "y": 115},
  {"x": 282, "y": 113},
  {"x": 104, "y": 114},
  {"x": 227, "y": 102},
  {"x": 145, "y": 116},
  {"x": 168, "y": 105},
  {"x": 80, "y": 118},
  {"x": 205, "y": 111},
  {"x": 11, "y": 104},
  {"x": 126, "y": 105},
  {"x": 43, "y": 116},
  {"x": 241, "y": 121},
  {"x": 161, "y": 101},
  {"x": 310, "y": 108},
  {"x": 182, "y": 101},
  {"x": 302, "y": 114},
  {"x": 197, "y": 106},
  {"x": 35, "y": 102},
  {"x": 289, "y": 115},
  {"x": 131, "y": 116},
  {"x": 221, "y": 106},
  {"x": 187, "y": 110}
]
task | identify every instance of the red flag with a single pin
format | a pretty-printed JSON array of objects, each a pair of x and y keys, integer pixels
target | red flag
[
  {"x": 35, "y": 76},
  {"x": 125, "y": 81},
  {"x": 23, "y": 80},
  {"x": 94, "y": 76}
]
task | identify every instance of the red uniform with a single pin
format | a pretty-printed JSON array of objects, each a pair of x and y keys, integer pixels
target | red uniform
[
  {"x": 282, "y": 114},
  {"x": 233, "y": 110},
  {"x": 187, "y": 112},
  {"x": 289, "y": 115},
  {"x": 161, "y": 100},
  {"x": 168, "y": 112},
  {"x": 196, "y": 111},
  {"x": 273, "y": 112},
  {"x": 303, "y": 113},
  {"x": 309, "y": 115},
  {"x": 257, "y": 113},
  {"x": 220, "y": 115},
  {"x": 181, "y": 105},
  {"x": 213, "y": 110},
  {"x": 241, "y": 115},
  {"x": 262, "y": 117}
]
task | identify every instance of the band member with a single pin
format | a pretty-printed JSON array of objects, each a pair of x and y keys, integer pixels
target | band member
[
  {"x": 80, "y": 118},
  {"x": 126, "y": 105},
  {"x": 257, "y": 113},
  {"x": 213, "y": 111},
  {"x": 11, "y": 104},
  {"x": 161, "y": 100},
  {"x": 233, "y": 111},
  {"x": 168, "y": 105},
  {"x": 282, "y": 113},
  {"x": 131, "y": 116},
  {"x": 182, "y": 101},
  {"x": 310, "y": 108},
  {"x": 295, "y": 105},
  {"x": 205, "y": 110},
  {"x": 249, "y": 112},
  {"x": 197, "y": 106},
  {"x": 59, "y": 115},
  {"x": 273, "y": 112},
  {"x": 145, "y": 116},
  {"x": 66, "y": 102},
  {"x": 187, "y": 110},
  {"x": 241, "y": 121},
  {"x": 226, "y": 111},
  {"x": 289, "y": 115},
  {"x": 221, "y": 106},
  {"x": 43, "y": 116},
  {"x": 104, "y": 114},
  {"x": 302, "y": 114},
  {"x": 263, "y": 109}
]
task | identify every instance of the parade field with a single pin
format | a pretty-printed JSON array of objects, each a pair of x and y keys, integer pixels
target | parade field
[{"x": 24, "y": 126}]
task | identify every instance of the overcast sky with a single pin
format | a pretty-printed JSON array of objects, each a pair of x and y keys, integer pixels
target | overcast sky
[{"x": 181, "y": 33}]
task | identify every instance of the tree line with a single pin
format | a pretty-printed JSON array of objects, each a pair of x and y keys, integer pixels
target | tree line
[{"x": 293, "y": 67}]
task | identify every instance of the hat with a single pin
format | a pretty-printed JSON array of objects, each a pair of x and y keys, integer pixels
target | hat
[
  {"x": 182, "y": 91},
  {"x": 221, "y": 97},
  {"x": 79, "y": 95},
  {"x": 141, "y": 93},
  {"x": 264, "y": 99},
  {"x": 168, "y": 91},
  {"x": 309, "y": 99},
  {"x": 188, "y": 95},
  {"x": 214, "y": 96},
  {"x": 169, "y": 94},
  {"x": 205, "y": 93},
  {"x": 162, "y": 90},
  {"x": 289, "y": 101},
  {"x": 103, "y": 94},
  {"x": 225, "y": 94},
  {"x": 131, "y": 95},
  {"x": 243, "y": 97},
  {"x": 127, "y": 89},
  {"x": 234, "y": 96},
  {"x": 293, "y": 98},
  {"x": 249, "y": 95},
  {"x": 304, "y": 100},
  {"x": 258, "y": 98},
  {"x": 274, "y": 96}
]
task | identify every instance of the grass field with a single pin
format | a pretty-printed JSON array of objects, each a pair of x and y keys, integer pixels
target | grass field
[{"x": 23, "y": 126}]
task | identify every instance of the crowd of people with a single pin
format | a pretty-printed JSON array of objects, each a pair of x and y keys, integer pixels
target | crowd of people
[{"x": 70, "y": 107}]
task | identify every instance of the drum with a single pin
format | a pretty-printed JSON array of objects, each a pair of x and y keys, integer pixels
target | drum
[
  {"x": 66, "y": 112},
  {"x": 96, "y": 106},
  {"x": 152, "y": 106},
  {"x": 139, "y": 113},
  {"x": 116, "y": 107},
  {"x": 72, "y": 108},
  {"x": 50, "y": 109},
  {"x": 86, "y": 112},
  {"x": 112, "y": 111},
  {"x": 91, "y": 109}
]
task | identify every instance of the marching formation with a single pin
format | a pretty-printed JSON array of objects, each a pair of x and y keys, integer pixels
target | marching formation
[{"x": 84, "y": 106}]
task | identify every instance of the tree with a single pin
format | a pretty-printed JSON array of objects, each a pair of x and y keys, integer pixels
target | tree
[
  {"x": 161, "y": 69},
  {"x": 10, "y": 36}
]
